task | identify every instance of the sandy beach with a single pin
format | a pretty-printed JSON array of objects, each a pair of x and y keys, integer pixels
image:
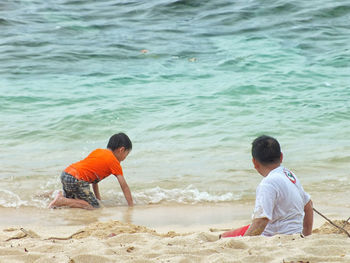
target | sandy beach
[{"x": 93, "y": 236}]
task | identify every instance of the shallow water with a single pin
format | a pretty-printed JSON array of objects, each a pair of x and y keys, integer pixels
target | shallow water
[{"x": 191, "y": 83}]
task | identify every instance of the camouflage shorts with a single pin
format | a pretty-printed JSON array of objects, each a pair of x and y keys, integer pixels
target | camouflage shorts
[{"x": 77, "y": 189}]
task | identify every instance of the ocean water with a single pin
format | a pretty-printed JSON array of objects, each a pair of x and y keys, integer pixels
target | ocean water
[{"x": 191, "y": 82}]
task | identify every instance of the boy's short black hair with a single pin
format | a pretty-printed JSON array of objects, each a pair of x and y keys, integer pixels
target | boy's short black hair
[
  {"x": 266, "y": 150},
  {"x": 119, "y": 140}
]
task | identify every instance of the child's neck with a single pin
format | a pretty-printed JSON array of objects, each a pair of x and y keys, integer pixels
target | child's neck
[{"x": 266, "y": 169}]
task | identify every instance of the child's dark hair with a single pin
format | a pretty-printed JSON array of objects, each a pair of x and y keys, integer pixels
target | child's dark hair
[
  {"x": 119, "y": 140},
  {"x": 266, "y": 150}
]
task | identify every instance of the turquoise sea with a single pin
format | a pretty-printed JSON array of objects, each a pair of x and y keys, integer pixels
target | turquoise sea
[{"x": 191, "y": 82}]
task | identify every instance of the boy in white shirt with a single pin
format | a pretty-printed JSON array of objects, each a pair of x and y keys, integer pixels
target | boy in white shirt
[{"x": 281, "y": 206}]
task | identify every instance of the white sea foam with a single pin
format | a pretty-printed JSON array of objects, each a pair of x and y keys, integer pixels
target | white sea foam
[
  {"x": 187, "y": 195},
  {"x": 10, "y": 199},
  {"x": 156, "y": 195}
]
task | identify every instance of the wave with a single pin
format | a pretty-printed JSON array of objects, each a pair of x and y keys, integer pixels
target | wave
[
  {"x": 156, "y": 195},
  {"x": 10, "y": 199},
  {"x": 188, "y": 195}
]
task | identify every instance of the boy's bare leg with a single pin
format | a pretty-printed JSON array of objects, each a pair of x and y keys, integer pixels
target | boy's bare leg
[{"x": 60, "y": 200}]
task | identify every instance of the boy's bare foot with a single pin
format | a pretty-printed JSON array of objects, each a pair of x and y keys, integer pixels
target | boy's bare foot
[{"x": 58, "y": 201}]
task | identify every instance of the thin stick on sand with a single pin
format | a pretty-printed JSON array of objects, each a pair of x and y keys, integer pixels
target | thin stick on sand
[
  {"x": 65, "y": 238},
  {"x": 18, "y": 236},
  {"x": 219, "y": 229},
  {"x": 345, "y": 223},
  {"x": 341, "y": 228}
]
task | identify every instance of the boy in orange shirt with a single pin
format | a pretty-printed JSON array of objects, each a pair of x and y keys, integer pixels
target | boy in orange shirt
[{"x": 99, "y": 164}]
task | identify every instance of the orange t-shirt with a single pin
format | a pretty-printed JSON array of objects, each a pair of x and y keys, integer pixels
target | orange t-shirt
[{"x": 99, "y": 164}]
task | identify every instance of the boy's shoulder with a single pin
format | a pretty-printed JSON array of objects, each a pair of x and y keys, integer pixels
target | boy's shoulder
[
  {"x": 277, "y": 176},
  {"x": 281, "y": 177},
  {"x": 99, "y": 152}
]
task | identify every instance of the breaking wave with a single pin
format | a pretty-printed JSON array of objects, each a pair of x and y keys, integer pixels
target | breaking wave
[
  {"x": 188, "y": 195},
  {"x": 156, "y": 195}
]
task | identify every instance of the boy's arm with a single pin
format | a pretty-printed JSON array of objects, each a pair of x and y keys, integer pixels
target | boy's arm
[
  {"x": 308, "y": 219},
  {"x": 96, "y": 191},
  {"x": 125, "y": 189},
  {"x": 257, "y": 227}
]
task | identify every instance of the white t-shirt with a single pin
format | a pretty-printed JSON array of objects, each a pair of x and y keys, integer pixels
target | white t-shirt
[{"x": 281, "y": 198}]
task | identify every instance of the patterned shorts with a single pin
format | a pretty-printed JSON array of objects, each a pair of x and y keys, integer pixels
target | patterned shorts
[{"x": 77, "y": 189}]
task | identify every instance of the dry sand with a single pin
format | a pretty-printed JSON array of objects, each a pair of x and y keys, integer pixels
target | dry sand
[{"x": 114, "y": 241}]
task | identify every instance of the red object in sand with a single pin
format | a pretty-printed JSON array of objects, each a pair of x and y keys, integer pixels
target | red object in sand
[{"x": 236, "y": 232}]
